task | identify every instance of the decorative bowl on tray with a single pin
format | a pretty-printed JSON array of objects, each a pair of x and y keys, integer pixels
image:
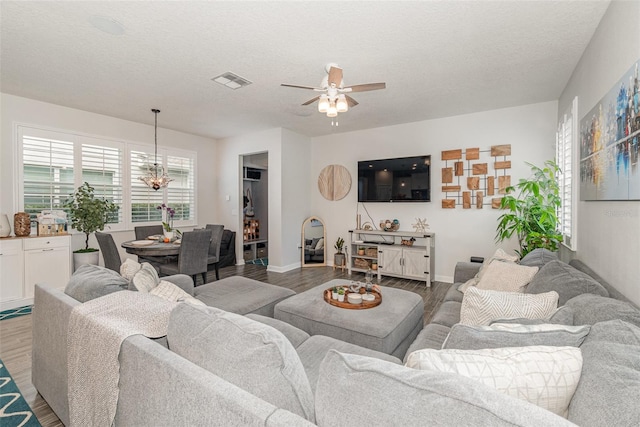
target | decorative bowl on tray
[{"x": 390, "y": 225}]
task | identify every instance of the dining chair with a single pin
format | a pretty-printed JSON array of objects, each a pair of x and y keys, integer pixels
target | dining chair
[
  {"x": 192, "y": 259},
  {"x": 144, "y": 231},
  {"x": 213, "y": 260},
  {"x": 109, "y": 250}
]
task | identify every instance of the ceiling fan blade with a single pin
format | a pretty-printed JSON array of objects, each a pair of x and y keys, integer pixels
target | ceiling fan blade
[
  {"x": 300, "y": 87},
  {"x": 311, "y": 101},
  {"x": 366, "y": 87},
  {"x": 350, "y": 101},
  {"x": 335, "y": 76}
]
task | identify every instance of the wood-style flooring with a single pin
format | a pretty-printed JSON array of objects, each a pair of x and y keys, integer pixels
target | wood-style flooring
[{"x": 15, "y": 334}]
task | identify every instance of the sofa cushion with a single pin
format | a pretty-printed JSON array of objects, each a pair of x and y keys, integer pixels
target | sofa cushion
[
  {"x": 590, "y": 309},
  {"x": 92, "y": 281},
  {"x": 249, "y": 354},
  {"x": 499, "y": 335},
  {"x": 565, "y": 280},
  {"x": 294, "y": 335},
  {"x": 453, "y": 294},
  {"x": 448, "y": 314},
  {"x": 506, "y": 276},
  {"x": 610, "y": 385},
  {"x": 146, "y": 278},
  {"x": 545, "y": 376},
  {"x": 539, "y": 257},
  {"x": 480, "y": 307},
  {"x": 383, "y": 394},
  {"x": 431, "y": 336}
]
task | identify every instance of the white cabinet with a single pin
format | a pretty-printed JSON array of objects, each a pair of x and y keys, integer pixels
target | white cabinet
[
  {"x": 11, "y": 270},
  {"x": 35, "y": 260},
  {"x": 394, "y": 259}
]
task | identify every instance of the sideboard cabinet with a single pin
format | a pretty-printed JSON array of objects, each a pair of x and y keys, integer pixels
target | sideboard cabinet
[
  {"x": 30, "y": 260},
  {"x": 385, "y": 252}
]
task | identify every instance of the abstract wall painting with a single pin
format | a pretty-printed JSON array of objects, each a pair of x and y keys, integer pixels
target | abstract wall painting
[{"x": 609, "y": 143}]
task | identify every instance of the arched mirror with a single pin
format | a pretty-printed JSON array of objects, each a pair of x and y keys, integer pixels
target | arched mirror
[{"x": 314, "y": 249}]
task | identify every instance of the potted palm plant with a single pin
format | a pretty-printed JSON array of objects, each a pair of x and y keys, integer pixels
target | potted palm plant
[
  {"x": 88, "y": 214},
  {"x": 531, "y": 210},
  {"x": 338, "y": 257}
]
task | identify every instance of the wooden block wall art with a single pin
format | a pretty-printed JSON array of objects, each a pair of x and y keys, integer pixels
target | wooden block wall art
[
  {"x": 503, "y": 183},
  {"x": 495, "y": 203},
  {"x": 479, "y": 199},
  {"x": 491, "y": 185},
  {"x": 452, "y": 155},
  {"x": 448, "y": 203},
  {"x": 466, "y": 200},
  {"x": 472, "y": 154},
  {"x": 479, "y": 169},
  {"x": 451, "y": 188},
  {"x": 501, "y": 150},
  {"x": 473, "y": 183},
  {"x": 447, "y": 175},
  {"x": 502, "y": 165},
  {"x": 459, "y": 168}
]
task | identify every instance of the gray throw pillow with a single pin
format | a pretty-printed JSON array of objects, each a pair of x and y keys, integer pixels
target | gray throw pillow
[
  {"x": 364, "y": 391},
  {"x": 590, "y": 309},
  {"x": 565, "y": 280},
  {"x": 498, "y": 335},
  {"x": 92, "y": 281},
  {"x": 249, "y": 354},
  {"x": 607, "y": 394},
  {"x": 539, "y": 257}
]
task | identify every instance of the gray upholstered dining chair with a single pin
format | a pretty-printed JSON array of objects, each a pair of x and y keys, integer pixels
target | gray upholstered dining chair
[
  {"x": 213, "y": 260},
  {"x": 192, "y": 259},
  {"x": 144, "y": 231},
  {"x": 109, "y": 250}
]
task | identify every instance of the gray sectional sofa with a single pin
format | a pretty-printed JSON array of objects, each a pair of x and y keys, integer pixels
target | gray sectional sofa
[{"x": 223, "y": 365}]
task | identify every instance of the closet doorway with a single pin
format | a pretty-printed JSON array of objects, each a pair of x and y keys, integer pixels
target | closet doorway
[{"x": 255, "y": 212}]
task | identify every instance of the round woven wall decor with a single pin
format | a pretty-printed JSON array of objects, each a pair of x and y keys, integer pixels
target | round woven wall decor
[
  {"x": 334, "y": 182},
  {"x": 22, "y": 224}
]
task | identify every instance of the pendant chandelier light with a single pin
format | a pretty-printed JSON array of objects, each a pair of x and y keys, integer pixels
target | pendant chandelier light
[{"x": 156, "y": 177}]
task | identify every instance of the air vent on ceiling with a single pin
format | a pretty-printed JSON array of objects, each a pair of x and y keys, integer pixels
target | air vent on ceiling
[{"x": 232, "y": 81}]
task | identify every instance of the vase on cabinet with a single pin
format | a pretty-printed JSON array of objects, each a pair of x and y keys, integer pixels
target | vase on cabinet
[
  {"x": 169, "y": 234},
  {"x": 82, "y": 258},
  {"x": 5, "y": 226}
]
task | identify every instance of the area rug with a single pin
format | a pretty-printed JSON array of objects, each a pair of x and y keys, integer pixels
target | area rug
[
  {"x": 15, "y": 312},
  {"x": 14, "y": 410},
  {"x": 259, "y": 261}
]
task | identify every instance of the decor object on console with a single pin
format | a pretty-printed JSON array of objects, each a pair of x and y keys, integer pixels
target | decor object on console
[
  {"x": 479, "y": 182},
  {"x": 334, "y": 99},
  {"x": 334, "y": 182},
  {"x": 21, "y": 224},
  {"x": 5, "y": 227},
  {"x": 390, "y": 225},
  {"x": 156, "y": 177},
  {"x": 421, "y": 225},
  {"x": 52, "y": 222},
  {"x": 531, "y": 215}
]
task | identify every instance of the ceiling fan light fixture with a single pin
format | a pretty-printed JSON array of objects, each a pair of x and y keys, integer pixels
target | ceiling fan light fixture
[
  {"x": 323, "y": 104},
  {"x": 332, "y": 111},
  {"x": 341, "y": 104}
]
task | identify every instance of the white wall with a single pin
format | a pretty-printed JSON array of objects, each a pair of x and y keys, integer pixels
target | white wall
[
  {"x": 460, "y": 233},
  {"x": 27, "y": 111},
  {"x": 608, "y": 232}
]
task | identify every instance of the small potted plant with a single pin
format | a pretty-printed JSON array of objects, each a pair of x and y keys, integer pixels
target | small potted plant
[
  {"x": 334, "y": 293},
  {"x": 374, "y": 264},
  {"x": 88, "y": 214},
  {"x": 360, "y": 250},
  {"x": 338, "y": 257},
  {"x": 167, "y": 221},
  {"x": 341, "y": 294}
]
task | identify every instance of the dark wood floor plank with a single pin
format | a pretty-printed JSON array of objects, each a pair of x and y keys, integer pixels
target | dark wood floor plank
[{"x": 16, "y": 333}]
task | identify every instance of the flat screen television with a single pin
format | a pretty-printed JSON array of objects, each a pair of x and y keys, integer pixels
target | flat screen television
[{"x": 406, "y": 179}]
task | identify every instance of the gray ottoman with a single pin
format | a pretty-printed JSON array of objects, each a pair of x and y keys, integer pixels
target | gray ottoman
[
  {"x": 389, "y": 328},
  {"x": 241, "y": 295}
]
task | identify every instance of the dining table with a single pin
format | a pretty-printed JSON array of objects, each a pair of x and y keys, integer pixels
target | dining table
[{"x": 156, "y": 248}]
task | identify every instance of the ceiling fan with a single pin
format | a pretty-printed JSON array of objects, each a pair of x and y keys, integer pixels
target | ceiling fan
[{"x": 334, "y": 98}]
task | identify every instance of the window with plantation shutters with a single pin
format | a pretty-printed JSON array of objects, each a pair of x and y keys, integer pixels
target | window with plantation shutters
[
  {"x": 102, "y": 165},
  {"x": 144, "y": 200},
  {"x": 565, "y": 147},
  {"x": 181, "y": 191}
]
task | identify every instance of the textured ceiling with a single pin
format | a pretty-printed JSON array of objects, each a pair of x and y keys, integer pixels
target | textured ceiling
[{"x": 438, "y": 58}]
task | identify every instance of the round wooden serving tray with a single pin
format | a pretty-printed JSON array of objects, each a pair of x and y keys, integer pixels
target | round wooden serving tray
[{"x": 346, "y": 304}]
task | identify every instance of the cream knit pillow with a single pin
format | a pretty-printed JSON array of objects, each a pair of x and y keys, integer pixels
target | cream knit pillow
[
  {"x": 170, "y": 292},
  {"x": 506, "y": 277}
]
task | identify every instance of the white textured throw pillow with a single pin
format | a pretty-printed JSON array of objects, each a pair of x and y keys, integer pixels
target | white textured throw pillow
[
  {"x": 499, "y": 255},
  {"x": 320, "y": 244},
  {"x": 170, "y": 292},
  {"x": 506, "y": 277},
  {"x": 545, "y": 376},
  {"x": 146, "y": 278},
  {"x": 129, "y": 268},
  {"x": 480, "y": 307}
]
